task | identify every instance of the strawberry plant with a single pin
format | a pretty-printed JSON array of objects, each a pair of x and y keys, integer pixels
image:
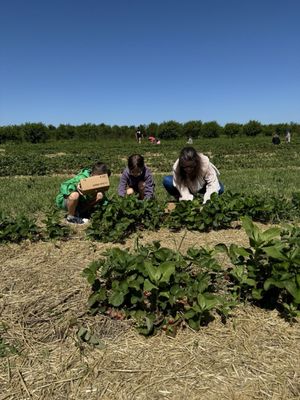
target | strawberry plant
[
  {"x": 268, "y": 271},
  {"x": 221, "y": 211},
  {"x": 123, "y": 216},
  {"x": 15, "y": 230},
  {"x": 54, "y": 228},
  {"x": 156, "y": 287}
]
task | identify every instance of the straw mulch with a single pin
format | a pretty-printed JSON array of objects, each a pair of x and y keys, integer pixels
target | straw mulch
[{"x": 255, "y": 355}]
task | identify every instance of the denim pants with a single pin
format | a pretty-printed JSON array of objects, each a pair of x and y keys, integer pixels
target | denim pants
[{"x": 173, "y": 191}]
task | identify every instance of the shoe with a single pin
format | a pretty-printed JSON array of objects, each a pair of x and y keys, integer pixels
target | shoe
[{"x": 74, "y": 220}]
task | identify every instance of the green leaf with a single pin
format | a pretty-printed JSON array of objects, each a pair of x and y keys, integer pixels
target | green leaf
[
  {"x": 153, "y": 272},
  {"x": 257, "y": 294},
  {"x": 97, "y": 297},
  {"x": 116, "y": 298},
  {"x": 167, "y": 268},
  {"x": 164, "y": 294},
  {"x": 194, "y": 324},
  {"x": 274, "y": 252},
  {"x": 207, "y": 301},
  {"x": 148, "y": 286},
  {"x": 270, "y": 234},
  {"x": 96, "y": 342},
  {"x": 251, "y": 229},
  {"x": 273, "y": 282},
  {"x": 292, "y": 288},
  {"x": 189, "y": 314}
]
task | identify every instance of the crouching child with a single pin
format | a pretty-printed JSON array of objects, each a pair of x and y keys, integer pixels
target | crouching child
[
  {"x": 77, "y": 204},
  {"x": 136, "y": 179}
]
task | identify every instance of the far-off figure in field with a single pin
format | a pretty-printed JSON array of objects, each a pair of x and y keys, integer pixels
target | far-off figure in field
[
  {"x": 138, "y": 135},
  {"x": 288, "y": 136},
  {"x": 276, "y": 138}
]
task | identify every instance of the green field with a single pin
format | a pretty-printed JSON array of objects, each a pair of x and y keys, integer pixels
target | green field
[{"x": 30, "y": 174}]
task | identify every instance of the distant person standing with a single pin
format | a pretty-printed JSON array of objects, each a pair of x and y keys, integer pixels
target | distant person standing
[
  {"x": 190, "y": 140},
  {"x": 288, "y": 136},
  {"x": 276, "y": 138},
  {"x": 138, "y": 135}
]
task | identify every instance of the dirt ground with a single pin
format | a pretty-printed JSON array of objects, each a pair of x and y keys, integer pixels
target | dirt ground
[{"x": 43, "y": 296}]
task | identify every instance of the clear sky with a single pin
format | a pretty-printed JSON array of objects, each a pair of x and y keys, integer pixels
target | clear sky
[{"x": 130, "y": 62}]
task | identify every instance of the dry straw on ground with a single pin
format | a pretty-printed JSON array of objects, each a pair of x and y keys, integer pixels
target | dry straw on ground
[{"x": 255, "y": 355}]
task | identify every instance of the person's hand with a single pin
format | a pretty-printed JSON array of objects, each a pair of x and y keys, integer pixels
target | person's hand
[
  {"x": 99, "y": 196},
  {"x": 79, "y": 189},
  {"x": 129, "y": 191}
]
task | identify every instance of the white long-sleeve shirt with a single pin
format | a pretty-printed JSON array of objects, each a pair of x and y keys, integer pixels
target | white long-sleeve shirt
[{"x": 209, "y": 179}]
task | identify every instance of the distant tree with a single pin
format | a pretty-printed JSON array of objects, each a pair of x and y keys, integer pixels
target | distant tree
[
  {"x": 268, "y": 130},
  {"x": 116, "y": 131},
  {"x": 232, "y": 129},
  {"x": 152, "y": 129},
  {"x": 65, "y": 132},
  {"x": 87, "y": 131},
  {"x": 12, "y": 133},
  {"x": 281, "y": 128},
  {"x": 126, "y": 131},
  {"x": 169, "y": 130},
  {"x": 35, "y": 132},
  {"x": 192, "y": 128},
  {"x": 294, "y": 127},
  {"x": 104, "y": 131},
  {"x": 211, "y": 129},
  {"x": 252, "y": 128}
]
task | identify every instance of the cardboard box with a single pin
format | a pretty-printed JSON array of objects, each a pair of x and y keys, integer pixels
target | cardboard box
[{"x": 94, "y": 184}]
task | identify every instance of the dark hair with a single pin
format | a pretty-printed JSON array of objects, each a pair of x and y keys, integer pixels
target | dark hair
[
  {"x": 188, "y": 154},
  {"x": 136, "y": 161},
  {"x": 99, "y": 168}
]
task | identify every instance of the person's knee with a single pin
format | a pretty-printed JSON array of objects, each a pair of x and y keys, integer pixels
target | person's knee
[
  {"x": 74, "y": 196},
  {"x": 168, "y": 181},
  {"x": 222, "y": 189}
]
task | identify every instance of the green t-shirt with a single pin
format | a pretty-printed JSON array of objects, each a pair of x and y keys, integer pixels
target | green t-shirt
[{"x": 70, "y": 186}]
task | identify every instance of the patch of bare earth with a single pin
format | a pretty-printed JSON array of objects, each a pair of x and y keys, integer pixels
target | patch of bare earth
[
  {"x": 53, "y": 155},
  {"x": 255, "y": 355}
]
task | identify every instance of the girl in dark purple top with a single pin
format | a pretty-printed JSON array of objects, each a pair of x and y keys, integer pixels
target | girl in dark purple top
[{"x": 136, "y": 178}]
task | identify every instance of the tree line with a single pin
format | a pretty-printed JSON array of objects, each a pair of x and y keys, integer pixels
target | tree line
[{"x": 40, "y": 133}]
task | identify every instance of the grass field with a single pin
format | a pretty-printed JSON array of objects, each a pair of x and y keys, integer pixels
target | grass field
[
  {"x": 247, "y": 165},
  {"x": 43, "y": 296}
]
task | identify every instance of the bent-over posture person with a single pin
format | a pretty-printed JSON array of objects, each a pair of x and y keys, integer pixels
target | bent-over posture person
[
  {"x": 71, "y": 199},
  {"x": 136, "y": 179},
  {"x": 193, "y": 173}
]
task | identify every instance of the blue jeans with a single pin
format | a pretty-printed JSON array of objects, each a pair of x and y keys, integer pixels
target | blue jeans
[{"x": 173, "y": 191}]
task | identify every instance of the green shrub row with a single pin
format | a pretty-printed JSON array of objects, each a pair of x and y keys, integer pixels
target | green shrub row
[
  {"x": 124, "y": 216},
  {"x": 158, "y": 288}
]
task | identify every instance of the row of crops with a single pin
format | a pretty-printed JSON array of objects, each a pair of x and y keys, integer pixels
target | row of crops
[{"x": 227, "y": 154}]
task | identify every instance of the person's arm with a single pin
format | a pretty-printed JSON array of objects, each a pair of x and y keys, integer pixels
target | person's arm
[
  {"x": 123, "y": 184},
  {"x": 149, "y": 185},
  {"x": 212, "y": 182}
]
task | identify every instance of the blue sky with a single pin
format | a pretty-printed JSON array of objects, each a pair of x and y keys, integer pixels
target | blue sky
[{"x": 130, "y": 62}]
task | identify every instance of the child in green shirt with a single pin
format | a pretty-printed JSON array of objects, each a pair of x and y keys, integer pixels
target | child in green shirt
[{"x": 71, "y": 198}]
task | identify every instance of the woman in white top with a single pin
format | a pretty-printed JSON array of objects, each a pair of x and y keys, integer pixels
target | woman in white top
[{"x": 193, "y": 173}]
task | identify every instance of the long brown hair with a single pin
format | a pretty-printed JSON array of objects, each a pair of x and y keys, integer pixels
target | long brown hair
[{"x": 189, "y": 154}]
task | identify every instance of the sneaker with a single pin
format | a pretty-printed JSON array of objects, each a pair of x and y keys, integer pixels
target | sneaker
[{"x": 74, "y": 220}]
